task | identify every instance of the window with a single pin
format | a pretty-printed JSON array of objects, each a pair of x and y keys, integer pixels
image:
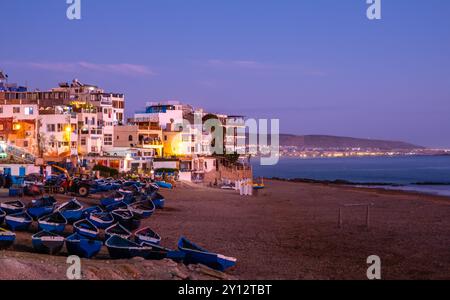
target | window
[
  {"x": 16, "y": 110},
  {"x": 29, "y": 111},
  {"x": 25, "y": 144},
  {"x": 108, "y": 140},
  {"x": 51, "y": 127},
  {"x": 83, "y": 141},
  {"x": 130, "y": 138},
  {"x": 1, "y": 109},
  {"x": 2, "y": 127},
  {"x": 165, "y": 137}
]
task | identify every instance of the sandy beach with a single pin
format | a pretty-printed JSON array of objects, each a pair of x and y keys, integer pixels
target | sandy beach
[{"x": 287, "y": 231}]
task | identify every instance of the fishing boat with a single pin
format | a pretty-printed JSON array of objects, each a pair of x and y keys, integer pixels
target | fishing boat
[
  {"x": 101, "y": 220},
  {"x": 86, "y": 228},
  {"x": 2, "y": 216},
  {"x": 113, "y": 198},
  {"x": 7, "y": 238},
  {"x": 19, "y": 222},
  {"x": 47, "y": 242},
  {"x": 197, "y": 255},
  {"x": 126, "y": 218},
  {"x": 159, "y": 252},
  {"x": 147, "y": 235},
  {"x": 41, "y": 207},
  {"x": 128, "y": 196},
  {"x": 120, "y": 248},
  {"x": 82, "y": 246},
  {"x": 55, "y": 222},
  {"x": 90, "y": 210},
  {"x": 12, "y": 207},
  {"x": 158, "y": 200},
  {"x": 164, "y": 184},
  {"x": 143, "y": 209},
  {"x": 117, "y": 205},
  {"x": 117, "y": 229},
  {"x": 71, "y": 210}
]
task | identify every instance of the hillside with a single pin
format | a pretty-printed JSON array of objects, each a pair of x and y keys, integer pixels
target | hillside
[{"x": 333, "y": 142}]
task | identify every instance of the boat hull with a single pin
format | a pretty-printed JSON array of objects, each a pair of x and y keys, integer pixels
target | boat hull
[
  {"x": 101, "y": 223},
  {"x": 39, "y": 212},
  {"x": 87, "y": 232},
  {"x": 197, "y": 255},
  {"x": 51, "y": 227},
  {"x": 17, "y": 224},
  {"x": 82, "y": 246},
  {"x": 7, "y": 239},
  {"x": 48, "y": 245}
]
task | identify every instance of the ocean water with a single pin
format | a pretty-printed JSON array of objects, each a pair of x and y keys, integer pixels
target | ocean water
[{"x": 405, "y": 171}]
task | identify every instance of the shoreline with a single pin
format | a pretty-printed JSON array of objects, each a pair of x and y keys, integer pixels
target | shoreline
[{"x": 384, "y": 186}]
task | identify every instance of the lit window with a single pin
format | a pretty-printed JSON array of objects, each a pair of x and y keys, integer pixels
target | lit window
[{"x": 29, "y": 111}]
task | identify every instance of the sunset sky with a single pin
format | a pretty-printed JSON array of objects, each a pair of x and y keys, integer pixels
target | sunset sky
[{"x": 319, "y": 65}]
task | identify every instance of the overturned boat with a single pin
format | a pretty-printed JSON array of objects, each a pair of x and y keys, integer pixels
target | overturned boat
[
  {"x": 55, "y": 222},
  {"x": 147, "y": 235},
  {"x": 19, "y": 222},
  {"x": 82, "y": 246},
  {"x": 12, "y": 207},
  {"x": 197, "y": 255},
  {"x": 117, "y": 229},
  {"x": 7, "y": 238},
  {"x": 47, "y": 242},
  {"x": 86, "y": 228},
  {"x": 101, "y": 220},
  {"x": 72, "y": 210}
]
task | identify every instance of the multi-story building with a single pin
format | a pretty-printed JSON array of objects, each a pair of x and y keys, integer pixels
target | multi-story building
[{"x": 58, "y": 133}]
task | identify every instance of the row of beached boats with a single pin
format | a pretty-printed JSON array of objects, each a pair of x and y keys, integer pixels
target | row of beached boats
[{"x": 109, "y": 224}]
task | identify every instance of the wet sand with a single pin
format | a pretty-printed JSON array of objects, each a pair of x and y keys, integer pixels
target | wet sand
[{"x": 290, "y": 231}]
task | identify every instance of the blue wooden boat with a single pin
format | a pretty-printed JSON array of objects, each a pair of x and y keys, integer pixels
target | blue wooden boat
[
  {"x": 2, "y": 216},
  {"x": 82, "y": 246},
  {"x": 101, "y": 220},
  {"x": 41, "y": 207},
  {"x": 72, "y": 210},
  {"x": 143, "y": 209},
  {"x": 126, "y": 218},
  {"x": 47, "y": 242},
  {"x": 19, "y": 222},
  {"x": 117, "y": 229},
  {"x": 86, "y": 228},
  {"x": 197, "y": 255},
  {"x": 117, "y": 205},
  {"x": 55, "y": 222},
  {"x": 90, "y": 210},
  {"x": 164, "y": 185},
  {"x": 113, "y": 198},
  {"x": 158, "y": 200},
  {"x": 128, "y": 196},
  {"x": 7, "y": 238},
  {"x": 160, "y": 252},
  {"x": 146, "y": 235},
  {"x": 12, "y": 207},
  {"x": 120, "y": 248}
]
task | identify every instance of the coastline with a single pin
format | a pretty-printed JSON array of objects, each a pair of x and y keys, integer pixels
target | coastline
[
  {"x": 421, "y": 186},
  {"x": 286, "y": 231}
]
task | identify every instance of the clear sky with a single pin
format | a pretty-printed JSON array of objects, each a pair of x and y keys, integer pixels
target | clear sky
[{"x": 319, "y": 65}]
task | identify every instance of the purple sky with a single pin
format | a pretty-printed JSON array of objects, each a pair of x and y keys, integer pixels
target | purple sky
[{"x": 319, "y": 65}]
